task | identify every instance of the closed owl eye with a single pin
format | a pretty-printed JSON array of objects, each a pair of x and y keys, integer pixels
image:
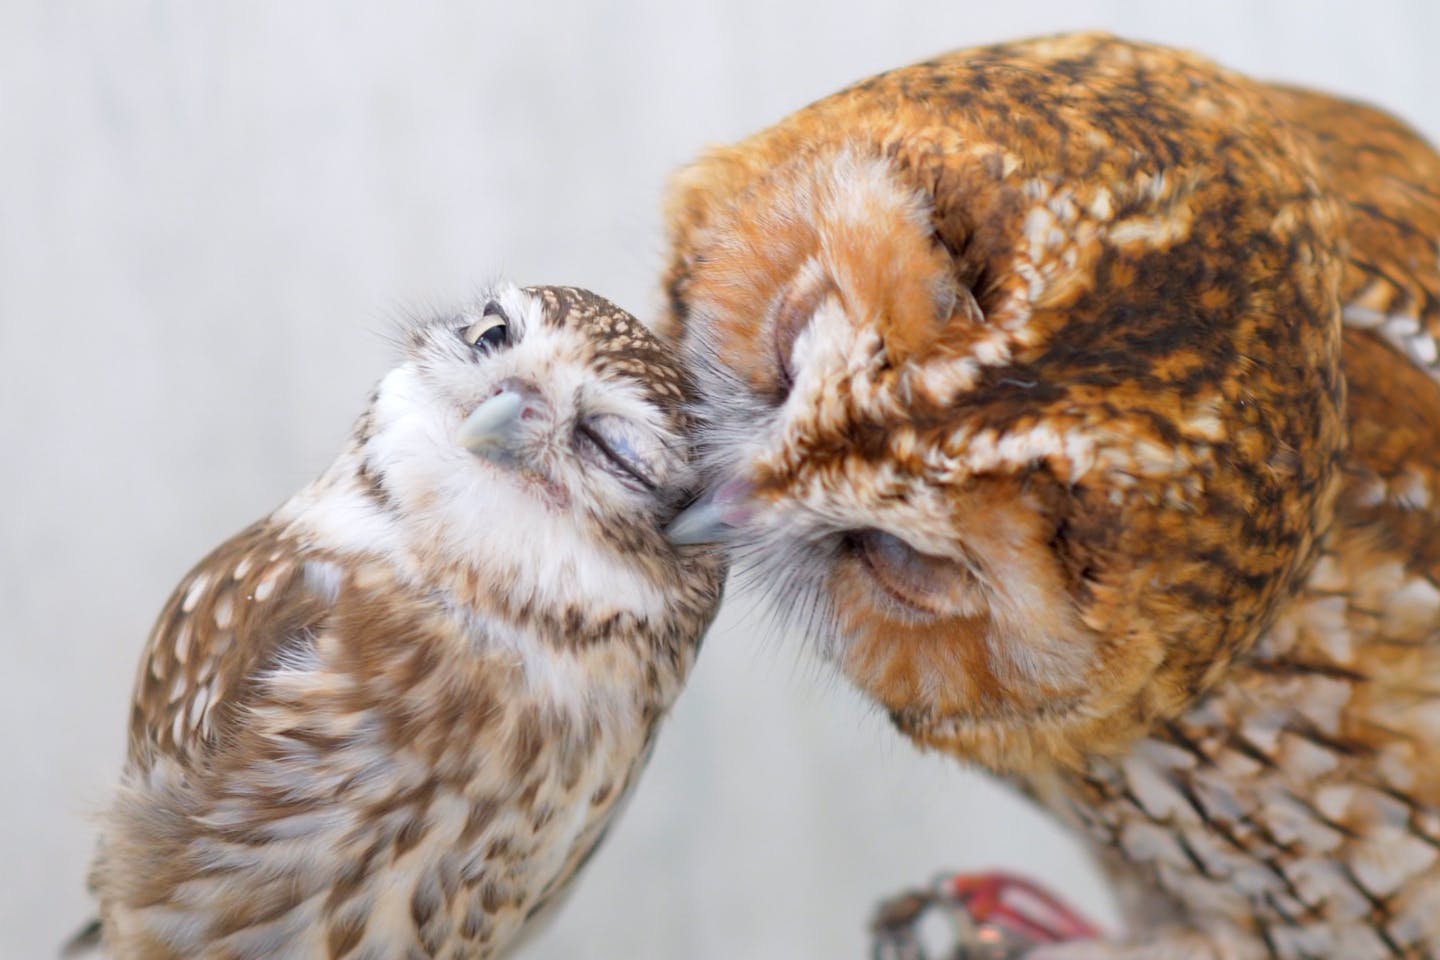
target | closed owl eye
[
  {"x": 621, "y": 447},
  {"x": 490, "y": 332},
  {"x": 937, "y": 586}
]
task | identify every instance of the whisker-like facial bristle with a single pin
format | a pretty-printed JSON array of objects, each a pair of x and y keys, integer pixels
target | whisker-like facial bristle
[{"x": 786, "y": 576}]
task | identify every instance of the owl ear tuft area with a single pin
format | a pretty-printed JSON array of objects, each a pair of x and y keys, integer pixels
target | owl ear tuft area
[
  {"x": 694, "y": 196},
  {"x": 692, "y": 191}
]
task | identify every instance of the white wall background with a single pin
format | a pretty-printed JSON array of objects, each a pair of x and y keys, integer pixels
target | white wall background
[{"x": 209, "y": 213}]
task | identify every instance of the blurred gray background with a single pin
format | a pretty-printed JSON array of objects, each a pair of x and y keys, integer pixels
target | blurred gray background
[{"x": 211, "y": 213}]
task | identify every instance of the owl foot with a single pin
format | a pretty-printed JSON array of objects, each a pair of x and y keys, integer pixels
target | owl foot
[{"x": 992, "y": 916}]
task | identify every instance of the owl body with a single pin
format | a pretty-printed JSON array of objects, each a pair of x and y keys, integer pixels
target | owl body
[
  {"x": 1082, "y": 392},
  {"x": 1293, "y": 809},
  {"x": 395, "y": 717}
]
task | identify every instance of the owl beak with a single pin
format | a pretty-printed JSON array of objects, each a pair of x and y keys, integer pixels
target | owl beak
[
  {"x": 714, "y": 516},
  {"x": 492, "y": 430}
]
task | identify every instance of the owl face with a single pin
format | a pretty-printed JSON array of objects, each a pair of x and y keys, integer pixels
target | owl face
[
  {"x": 932, "y": 584},
  {"x": 540, "y": 419},
  {"x": 1018, "y": 505}
]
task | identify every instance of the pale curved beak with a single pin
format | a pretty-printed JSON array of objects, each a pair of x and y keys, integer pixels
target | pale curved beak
[
  {"x": 715, "y": 515},
  {"x": 492, "y": 423},
  {"x": 493, "y": 429}
]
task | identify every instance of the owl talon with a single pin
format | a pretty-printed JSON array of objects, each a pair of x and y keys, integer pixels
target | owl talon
[
  {"x": 1011, "y": 901},
  {"x": 993, "y": 916}
]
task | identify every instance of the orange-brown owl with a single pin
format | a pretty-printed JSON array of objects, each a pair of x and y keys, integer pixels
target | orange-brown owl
[{"x": 1078, "y": 396}]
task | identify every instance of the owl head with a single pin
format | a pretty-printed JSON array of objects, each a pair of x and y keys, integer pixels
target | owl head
[
  {"x": 538, "y": 440},
  {"x": 1030, "y": 430}
]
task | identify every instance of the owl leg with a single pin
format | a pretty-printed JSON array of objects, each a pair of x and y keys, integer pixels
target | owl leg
[
  {"x": 1034, "y": 915},
  {"x": 1001, "y": 915},
  {"x": 992, "y": 914},
  {"x": 1020, "y": 906}
]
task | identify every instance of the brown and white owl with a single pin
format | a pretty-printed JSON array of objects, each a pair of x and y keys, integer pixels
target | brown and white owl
[
  {"x": 1079, "y": 397},
  {"x": 393, "y": 718}
]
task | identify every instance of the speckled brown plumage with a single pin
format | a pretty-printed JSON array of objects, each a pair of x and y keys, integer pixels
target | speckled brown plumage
[
  {"x": 1084, "y": 393},
  {"x": 396, "y": 716}
]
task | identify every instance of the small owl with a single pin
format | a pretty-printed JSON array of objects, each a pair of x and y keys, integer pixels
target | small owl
[
  {"x": 394, "y": 718},
  {"x": 1080, "y": 396}
]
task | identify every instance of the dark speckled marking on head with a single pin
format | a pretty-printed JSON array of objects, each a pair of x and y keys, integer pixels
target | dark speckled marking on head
[{"x": 622, "y": 343}]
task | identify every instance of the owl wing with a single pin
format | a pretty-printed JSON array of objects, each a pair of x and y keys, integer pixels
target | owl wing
[
  {"x": 234, "y": 613},
  {"x": 1386, "y": 518},
  {"x": 1389, "y": 177}
]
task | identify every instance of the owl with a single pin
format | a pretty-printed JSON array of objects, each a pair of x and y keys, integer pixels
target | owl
[
  {"x": 394, "y": 718},
  {"x": 1078, "y": 398}
]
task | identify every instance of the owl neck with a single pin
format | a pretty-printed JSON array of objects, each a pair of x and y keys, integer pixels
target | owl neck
[{"x": 488, "y": 551}]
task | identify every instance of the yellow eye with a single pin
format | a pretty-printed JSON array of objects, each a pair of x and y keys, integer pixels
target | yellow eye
[{"x": 490, "y": 332}]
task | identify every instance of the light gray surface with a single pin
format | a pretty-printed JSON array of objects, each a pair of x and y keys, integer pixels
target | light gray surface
[{"x": 209, "y": 215}]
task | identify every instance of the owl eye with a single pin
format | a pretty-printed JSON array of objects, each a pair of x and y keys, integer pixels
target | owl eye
[
  {"x": 490, "y": 332},
  {"x": 621, "y": 448},
  {"x": 936, "y": 586}
]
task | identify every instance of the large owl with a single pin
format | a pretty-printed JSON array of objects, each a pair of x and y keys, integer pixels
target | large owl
[
  {"x": 393, "y": 718},
  {"x": 1078, "y": 396}
]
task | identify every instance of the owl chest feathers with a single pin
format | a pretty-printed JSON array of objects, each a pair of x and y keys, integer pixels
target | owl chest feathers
[
  {"x": 467, "y": 799},
  {"x": 447, "y": 751}
]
